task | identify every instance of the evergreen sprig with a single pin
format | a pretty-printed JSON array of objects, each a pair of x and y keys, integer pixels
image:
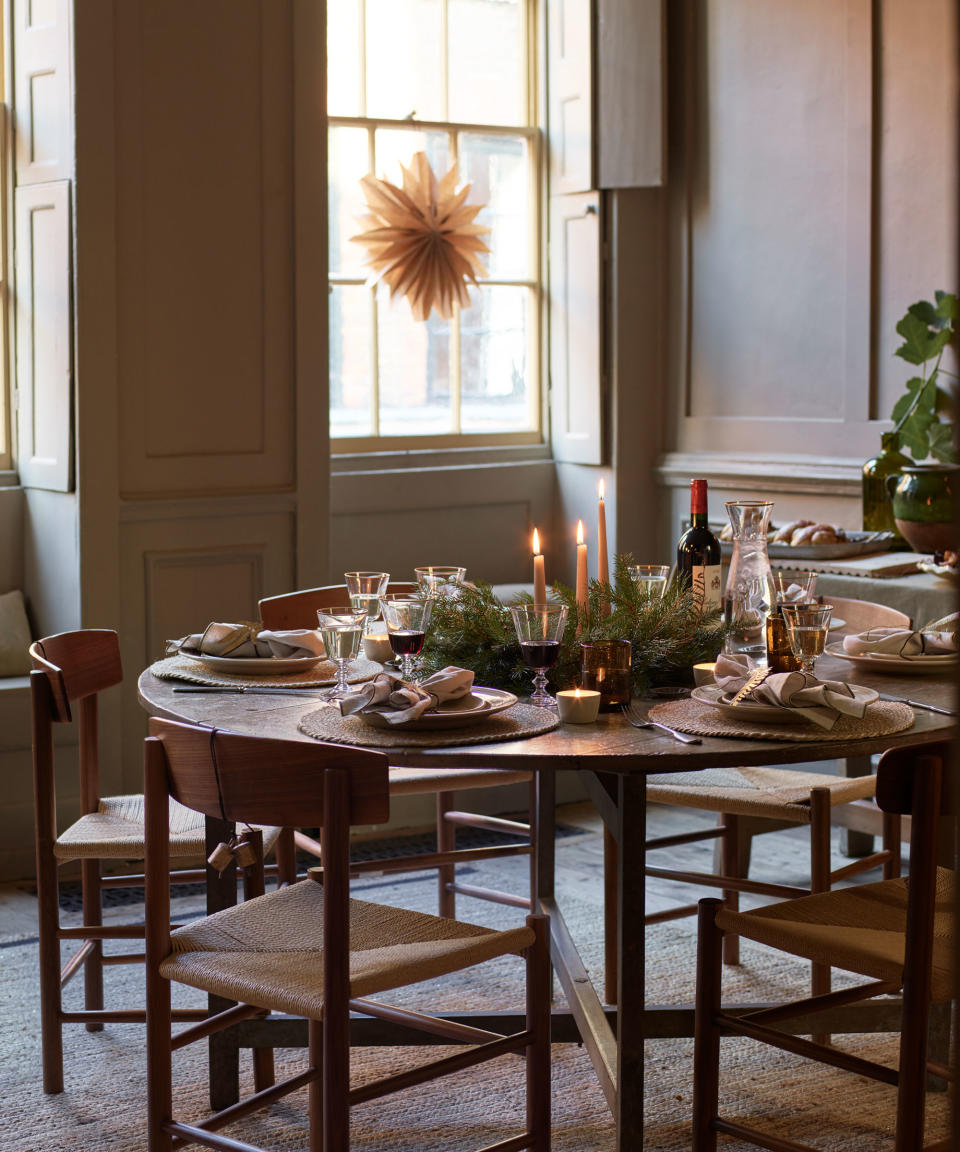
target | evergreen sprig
[{"x": 668, "y": 634}]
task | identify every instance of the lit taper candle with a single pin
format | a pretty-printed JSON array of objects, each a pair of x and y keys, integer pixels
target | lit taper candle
[{"x": 539, "y": 576}]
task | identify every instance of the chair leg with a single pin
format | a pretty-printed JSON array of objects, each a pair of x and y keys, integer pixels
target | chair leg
[
  {"x": 611, "y": 941},
  {"x": 51, "y": 1029},
  {"x": 892, "y": 834},
  {"x": 315, "y": 1087},
  {"x": 159, "y": 1062},
  {"x": 264, "y": 1075},
  {"x": 286, "y": 854},
  {"x": 820, "y": 881},
  {"x": 446, "y": 842},
  {"x": 538, "y": 1021},
  {"x": 706, "y": 1050},
  {"x": 93, "y": 915},
  {"x": 730, "y": 863}
]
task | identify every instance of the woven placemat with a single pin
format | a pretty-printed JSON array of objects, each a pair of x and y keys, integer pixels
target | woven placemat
[
  {"x": 516, "y": 723},
  {"x": 321, "y": 675},
  {"x": 880, "y": 719}
]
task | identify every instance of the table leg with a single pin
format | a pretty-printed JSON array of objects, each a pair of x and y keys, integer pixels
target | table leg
[
  {"x": 223, "y": 1052},
  {"x": 545, "y": 818},
  {"x": 631, "y": 836}
]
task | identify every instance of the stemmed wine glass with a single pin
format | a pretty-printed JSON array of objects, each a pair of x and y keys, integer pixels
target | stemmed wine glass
[
  {"x": 539, "y": 629},
  {"x": 365, "y": 590},
  {"x": 807, "y": 626},
  {"x": 406, "y": 621},
  {"x": 341, "y": 628},
  {"x": 440, "y": 580},
  {"x": 652, "y": 578}
]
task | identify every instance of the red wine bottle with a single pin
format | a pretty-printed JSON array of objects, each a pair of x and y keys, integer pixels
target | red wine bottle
[{"x": 698, "y": 553}]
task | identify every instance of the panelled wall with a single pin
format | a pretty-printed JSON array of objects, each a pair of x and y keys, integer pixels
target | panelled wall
[
  {"x": 198, "y": 382},
  {"x": 813, "y": 197}
]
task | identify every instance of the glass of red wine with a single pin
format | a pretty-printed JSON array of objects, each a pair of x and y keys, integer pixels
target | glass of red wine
[
  {"x": 406, "y": 622},
  {"x": 539, "y": 629}
]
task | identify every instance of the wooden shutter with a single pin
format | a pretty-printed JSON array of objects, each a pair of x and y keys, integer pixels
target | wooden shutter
[
  {"x": 42, "y": 90},
  {"x": 44, "y": 417},
  {"x": 570, "y": 98},
  {"x": 576, "y": 430}
]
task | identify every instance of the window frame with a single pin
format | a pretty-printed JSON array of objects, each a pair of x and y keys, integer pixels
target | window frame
[
  {"x": 532, "y": 134},
  {"x": 7, "y": 400}
]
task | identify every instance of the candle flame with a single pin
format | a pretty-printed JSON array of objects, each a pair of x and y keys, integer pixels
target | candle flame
[
  {"x": 577, "y": 694},
  {"x": 601, "y": 489},
  {"x": 536, "y": 542},
  {"x": 579, "y": 531}
]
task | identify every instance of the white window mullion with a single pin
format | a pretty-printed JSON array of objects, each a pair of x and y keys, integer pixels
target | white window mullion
[
  {"x": 374, "y": 307},
  {"x": 362, "y": 69}
]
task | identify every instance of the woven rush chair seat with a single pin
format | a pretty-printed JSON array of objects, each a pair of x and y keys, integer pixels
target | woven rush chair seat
[
  {"x": 269, "y": 951},
  {"x": 768, "y": 792},
  {"x": 115, "y": 832},
  {"x": 830, "y": 928},
  {"x": 413, "y": 781}
]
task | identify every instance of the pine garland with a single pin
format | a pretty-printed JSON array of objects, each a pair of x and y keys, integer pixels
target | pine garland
[{"x": 668, "y": 634}]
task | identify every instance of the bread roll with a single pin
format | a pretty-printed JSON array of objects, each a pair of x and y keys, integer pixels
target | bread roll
[
  {"x": 784, "y": 535},
  {"x": 817, "y": 534}
]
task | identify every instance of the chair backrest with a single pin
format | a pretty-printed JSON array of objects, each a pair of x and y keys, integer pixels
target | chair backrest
[
  {"x": 260, "y": 780},
  {"x": 863, "y": 614},
  {"x": 905, "y": 775},
  {"x": 77, "y": 665},
  {"x": 299, "y": 609}
]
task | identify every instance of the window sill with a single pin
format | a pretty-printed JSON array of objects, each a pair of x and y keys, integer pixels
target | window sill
[
  {"x": 9, "y": 480},
  {"x": 420, "y": 459}
]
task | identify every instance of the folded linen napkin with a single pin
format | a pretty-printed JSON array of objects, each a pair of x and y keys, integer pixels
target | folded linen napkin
[
  {"x": 821, "y": 701},
  {"x": 936, "y": 639},
  {"x": 400, "y": 701},
  {"x": 248, "y": 640}
]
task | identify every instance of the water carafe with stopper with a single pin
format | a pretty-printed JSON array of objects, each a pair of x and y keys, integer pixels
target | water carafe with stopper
[{"x": 749, "y": 595}]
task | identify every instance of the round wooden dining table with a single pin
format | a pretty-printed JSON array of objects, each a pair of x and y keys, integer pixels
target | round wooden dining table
[{"x": 613, "y": 759}]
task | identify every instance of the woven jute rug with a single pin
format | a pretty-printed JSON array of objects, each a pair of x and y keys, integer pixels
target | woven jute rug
[
  {"x": 320, "y": 676},
  {"x": 880, "y": 719},
  {"x": 104, "y": 1104},
  {"x": 515, "y": 723}
]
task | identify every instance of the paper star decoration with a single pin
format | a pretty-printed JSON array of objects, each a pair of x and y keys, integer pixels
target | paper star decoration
[{"x": 421, "y": 239}]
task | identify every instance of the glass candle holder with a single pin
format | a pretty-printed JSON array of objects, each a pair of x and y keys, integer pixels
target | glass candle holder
[{"x": 605, "y": 668}]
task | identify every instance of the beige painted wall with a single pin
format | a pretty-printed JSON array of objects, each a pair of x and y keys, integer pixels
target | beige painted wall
[{"x": 814, "y": 149}]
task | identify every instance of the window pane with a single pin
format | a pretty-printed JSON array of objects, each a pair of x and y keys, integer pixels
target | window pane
[
  {"x": 351, "y": 347},
  {"x": 495, "y": 361},
  {"x": 348, "y": 161},
  {"x": 414, "y": 371},
  {"x": 486, "y": 77},
  {"x": 498, "y": 168},
  {"x": 396, "y": 146},
  {"x": 404, "y": 59},
  {"x": 344, "y": 95}
]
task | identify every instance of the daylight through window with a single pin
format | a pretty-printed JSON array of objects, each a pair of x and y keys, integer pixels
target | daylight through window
[{"x": 450, "y": 78}]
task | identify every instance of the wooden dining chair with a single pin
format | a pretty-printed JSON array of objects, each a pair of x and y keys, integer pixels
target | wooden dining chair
[
  {"x": 897, "y": 933},
  {"x": 777, "y": 798},
  {"x": 69, "y": 672},
  {"x": 308, "y": 949},
  {"x": 299, "y": 610}
]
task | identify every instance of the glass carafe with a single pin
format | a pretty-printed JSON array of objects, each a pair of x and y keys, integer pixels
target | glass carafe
[{"x": 749, "y": 596}]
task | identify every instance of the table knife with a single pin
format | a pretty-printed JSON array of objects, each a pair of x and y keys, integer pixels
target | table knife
[
  {"x": 244, "y": 688},
  {"x": 920, "y": 704}
]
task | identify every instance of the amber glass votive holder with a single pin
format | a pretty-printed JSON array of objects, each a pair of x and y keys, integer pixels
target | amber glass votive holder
[
  {"x": 605, "y": 668},
  {"x": 780, "y": 657}
]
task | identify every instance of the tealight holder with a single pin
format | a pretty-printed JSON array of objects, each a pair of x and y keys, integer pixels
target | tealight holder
[
  {"x": 703, "y": 673},
  {"x": 578, "y": 705},
  {"x": 605, "y": 668}
]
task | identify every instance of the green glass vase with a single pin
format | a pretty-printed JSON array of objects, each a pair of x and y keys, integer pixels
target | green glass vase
[{"x": 877, "y": 507}]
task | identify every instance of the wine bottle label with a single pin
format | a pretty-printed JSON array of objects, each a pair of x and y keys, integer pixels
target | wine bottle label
[{"x": 705, "y": 582}]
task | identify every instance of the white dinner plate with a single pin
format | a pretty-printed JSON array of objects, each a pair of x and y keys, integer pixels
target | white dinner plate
[
  {"x": 256, "y": 665},
  {"x": 944, "y": 571},
  {"x": 900, "y": 665},
  {"x": 473, "y": 709},
  {"x": 835, "y": 623},
  {"x": 714, "y": 695}
]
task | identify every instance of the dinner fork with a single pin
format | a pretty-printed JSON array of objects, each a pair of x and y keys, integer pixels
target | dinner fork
[{"x": 633, "y": 717}]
